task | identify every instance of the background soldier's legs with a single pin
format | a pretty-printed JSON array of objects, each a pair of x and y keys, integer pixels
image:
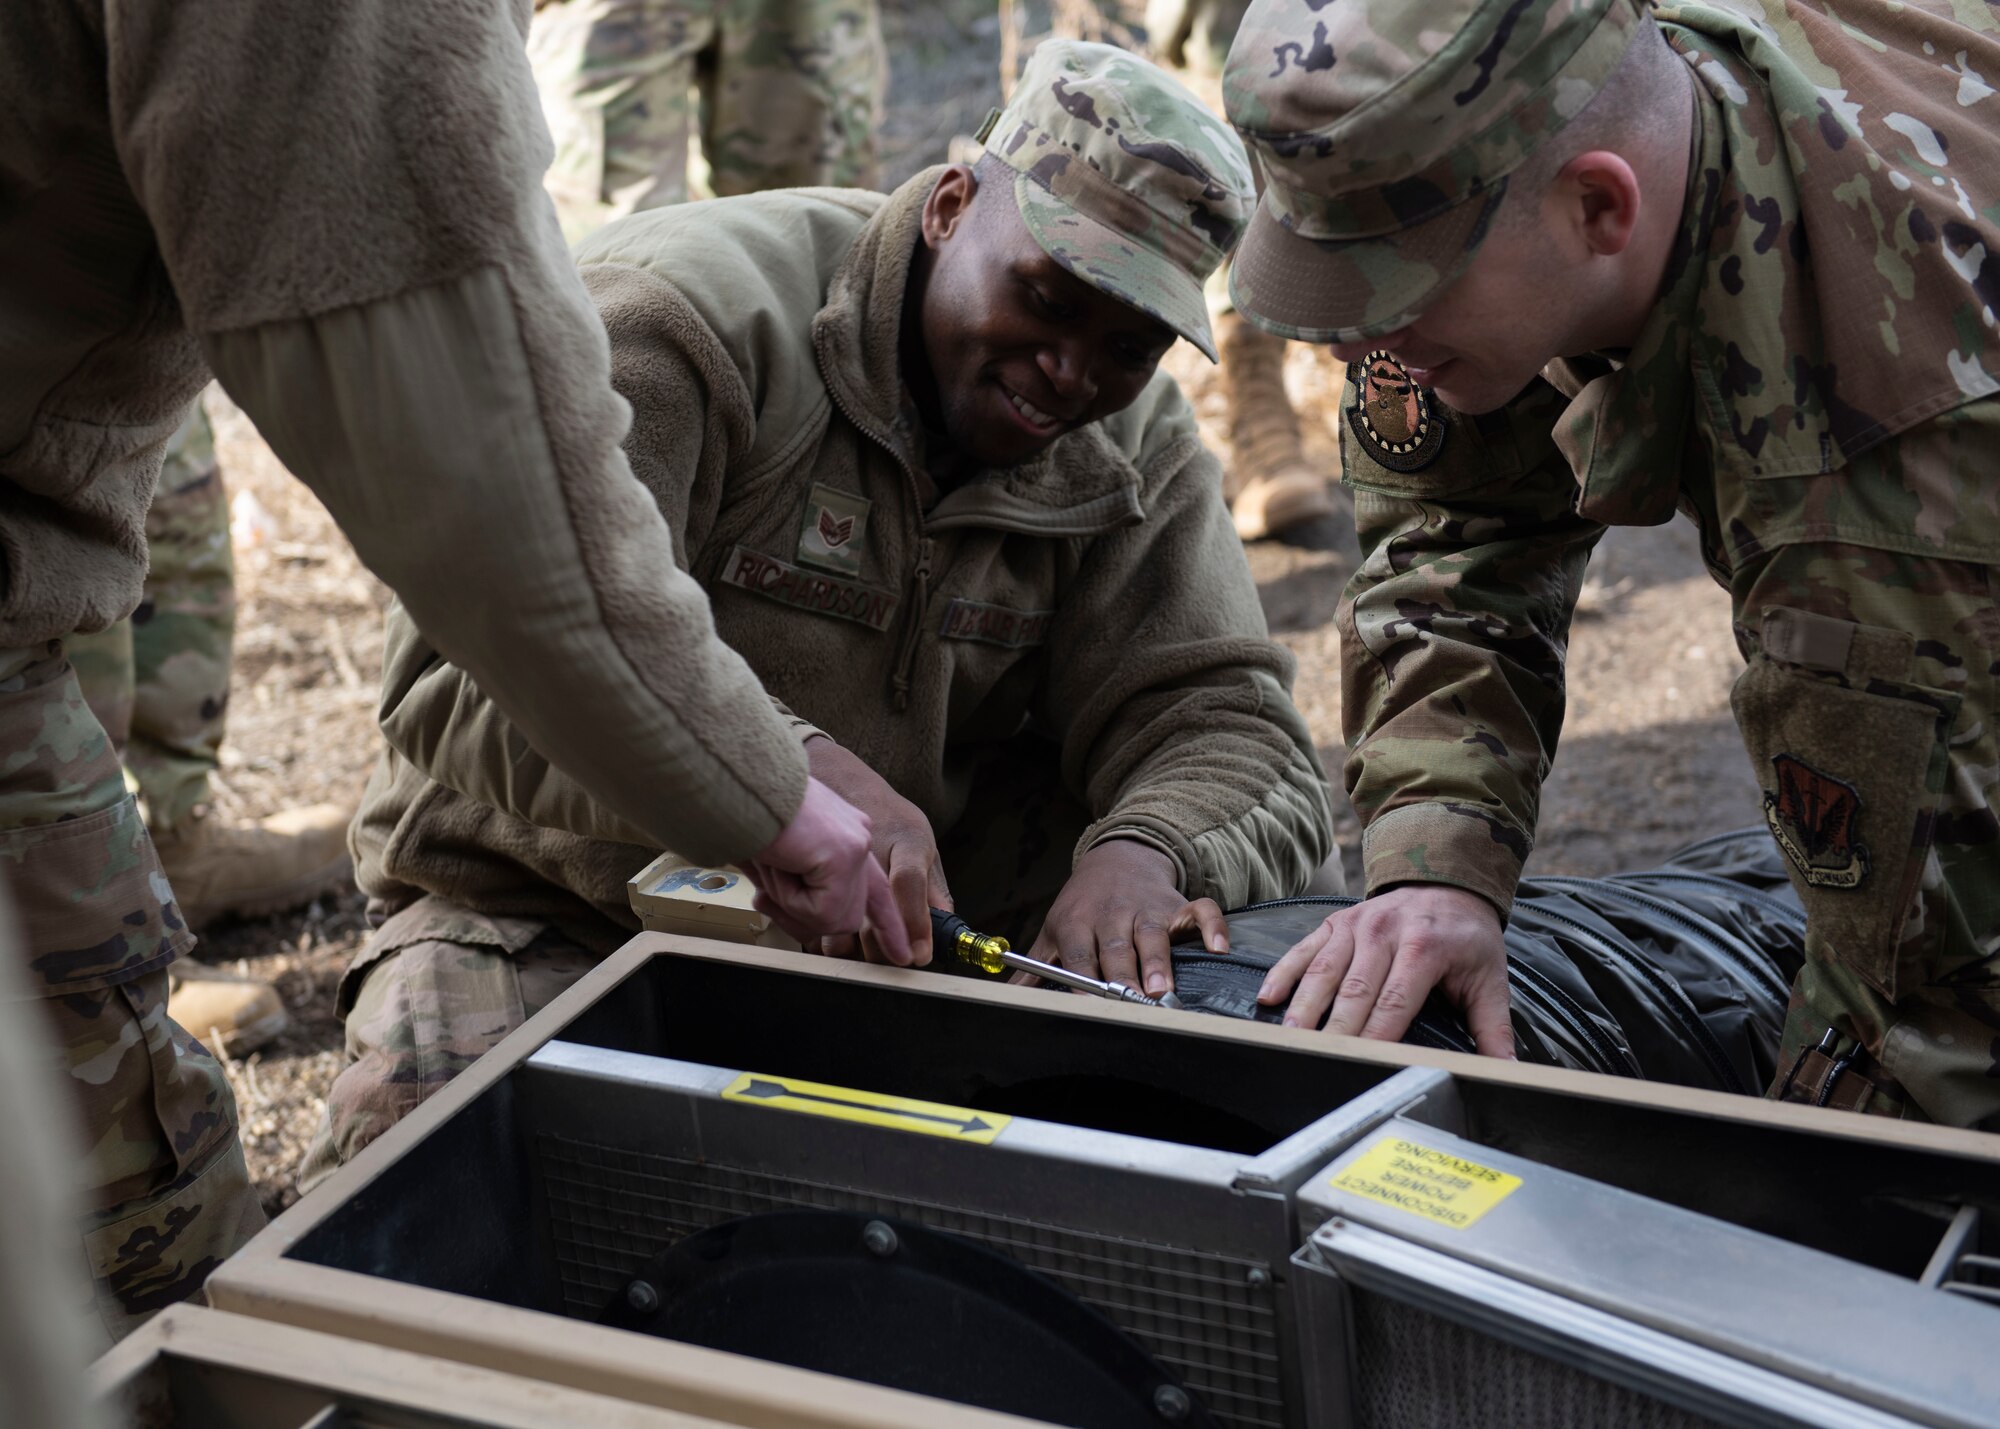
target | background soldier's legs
[
  {"x": 166, "y": 1193},
  {"x": 1192, "y": 38},
  {"x": 1869, "y": 725},
  {"x": 792, "y": 95},
  {"x": 158, "y": 682},
  {"x": 159, "y": 679},
  {"x": 1267, "y": 481},
  {"x": 617, "y": 84}
]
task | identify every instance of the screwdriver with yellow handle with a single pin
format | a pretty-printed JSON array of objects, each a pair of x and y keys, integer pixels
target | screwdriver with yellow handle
[{"x": 993, "y": 955}]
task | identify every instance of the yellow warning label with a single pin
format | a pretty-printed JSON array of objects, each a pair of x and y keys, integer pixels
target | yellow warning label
[
  {"x": 847, "y": 1104},
  {"x": 1436, "y": 1185}
]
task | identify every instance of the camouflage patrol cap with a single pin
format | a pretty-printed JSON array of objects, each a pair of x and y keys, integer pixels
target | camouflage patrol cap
[
  {"x": 1125, "y": 178},
  {"x": 1386, "y": 130}
]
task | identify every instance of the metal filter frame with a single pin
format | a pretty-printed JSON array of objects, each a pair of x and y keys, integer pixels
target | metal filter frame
[{"x": 1591, "y": 1305}]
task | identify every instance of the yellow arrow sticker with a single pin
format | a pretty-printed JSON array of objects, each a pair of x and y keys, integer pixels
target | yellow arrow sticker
[
  {"x": 1445, "y": 1189},
  {"x": 848, "y": 1104}
]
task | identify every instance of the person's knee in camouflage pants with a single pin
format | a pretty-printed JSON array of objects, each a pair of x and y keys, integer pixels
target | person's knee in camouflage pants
[
  {"x": 159, "y": 679},
  {"x": 166, "y": 1194},
  {"x": 789, "y": 93},
  {"x": 437, "y": 987},
  {"x": 1864, "y": 708}
]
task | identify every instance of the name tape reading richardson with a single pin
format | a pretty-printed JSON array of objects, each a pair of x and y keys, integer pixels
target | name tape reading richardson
[
  {"x": 874, "y": 1108},
  {"x": 766, "y": 575},
  {"x": 1442, "y": 1188}
]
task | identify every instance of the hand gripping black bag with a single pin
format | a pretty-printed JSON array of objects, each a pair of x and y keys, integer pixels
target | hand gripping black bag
[{"x": 1676, "y": 974}]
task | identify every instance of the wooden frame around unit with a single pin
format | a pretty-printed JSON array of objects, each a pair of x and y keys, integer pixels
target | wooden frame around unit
[
  {"x": 291, "y": 1358},
  {"x": 259, "y": 1281}
]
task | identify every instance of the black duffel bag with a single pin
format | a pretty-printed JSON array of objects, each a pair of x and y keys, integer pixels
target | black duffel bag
[{"x": 1677, "y": 974}]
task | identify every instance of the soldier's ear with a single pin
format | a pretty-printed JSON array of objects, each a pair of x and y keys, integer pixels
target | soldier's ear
[
  {"x": 949, "y": 208},
  {"x": 1598, "y": 195}
]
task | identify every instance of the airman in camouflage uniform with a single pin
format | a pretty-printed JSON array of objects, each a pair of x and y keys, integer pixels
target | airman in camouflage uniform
[
  {"x": 790, "y": 95},
  {"x": 1814, "y": 385},
  {"x": 1023, "y": 638}
]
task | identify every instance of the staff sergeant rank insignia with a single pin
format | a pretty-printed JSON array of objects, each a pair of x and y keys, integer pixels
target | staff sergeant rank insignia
[
  {"x": 832, "y": 531},
  {"x": 1395, "y": 420}
]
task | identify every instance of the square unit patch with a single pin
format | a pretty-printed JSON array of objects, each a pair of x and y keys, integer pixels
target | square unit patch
[{"x": 831, "y": 532}]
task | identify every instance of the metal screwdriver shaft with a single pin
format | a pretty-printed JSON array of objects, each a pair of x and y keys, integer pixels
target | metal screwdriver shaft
[{"x": 991, "y": 954}]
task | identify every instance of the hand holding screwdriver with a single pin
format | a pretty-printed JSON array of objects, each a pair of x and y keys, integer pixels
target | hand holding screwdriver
[{"x": 990, "y": 954}]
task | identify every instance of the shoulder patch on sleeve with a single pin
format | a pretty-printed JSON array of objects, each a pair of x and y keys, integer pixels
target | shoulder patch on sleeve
[{"x": 1395, "y": 421}]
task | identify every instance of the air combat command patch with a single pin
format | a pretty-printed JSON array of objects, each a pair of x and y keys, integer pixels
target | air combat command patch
[
  {"x": 1396, "y": 421},
  {"x": 1813, "y": 814}
]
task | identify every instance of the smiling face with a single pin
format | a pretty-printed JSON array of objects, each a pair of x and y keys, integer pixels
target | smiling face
[
  {"x": 1019, "y": 350},
  {"x": 1480, "y": 342}
]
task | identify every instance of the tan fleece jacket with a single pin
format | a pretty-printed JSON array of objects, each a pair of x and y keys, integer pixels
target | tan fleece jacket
[
  {"x": 1098, "y": 595},
  {"x": 336, "y": 207}
]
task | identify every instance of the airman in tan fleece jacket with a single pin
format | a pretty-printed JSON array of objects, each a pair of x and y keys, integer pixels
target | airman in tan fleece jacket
[{"x": 1052, "y": 664}]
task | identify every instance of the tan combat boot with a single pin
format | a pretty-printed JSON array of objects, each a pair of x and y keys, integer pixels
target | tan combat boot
[
  {"x": 1270, "y": 487},
  {"x": 228, "y": 1015},
  {"x": 255, "y": 869}
]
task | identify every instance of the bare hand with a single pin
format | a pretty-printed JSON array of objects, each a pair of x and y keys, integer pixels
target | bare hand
[
  {"x": 1116, "y": 917},
  {"x": 903, "y": 844},
  {"x": 819, "y": 876},
  {"x": 1376, "y": 962}
]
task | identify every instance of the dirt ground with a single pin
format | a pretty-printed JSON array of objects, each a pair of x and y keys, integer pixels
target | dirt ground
[{"x": 1649, "y": 758}]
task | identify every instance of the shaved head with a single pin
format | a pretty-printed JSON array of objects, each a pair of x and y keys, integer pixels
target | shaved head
[{"x": 1625, "y": 116}]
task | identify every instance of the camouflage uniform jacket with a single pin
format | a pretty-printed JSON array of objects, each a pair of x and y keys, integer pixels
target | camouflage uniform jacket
[
  {"x": 1097, "y": 594},
  {"x": 1820, "y": 368},
  {"x": 337, "y": 210}
]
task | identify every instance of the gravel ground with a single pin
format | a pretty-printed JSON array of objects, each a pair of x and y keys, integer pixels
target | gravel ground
[{"x": 1649, "y": 759}]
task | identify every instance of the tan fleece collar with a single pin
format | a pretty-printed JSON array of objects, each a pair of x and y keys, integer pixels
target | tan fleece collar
[{"x": 1081, "y": 486}]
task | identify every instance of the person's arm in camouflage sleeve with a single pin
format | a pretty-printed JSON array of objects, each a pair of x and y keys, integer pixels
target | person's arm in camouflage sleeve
[
  {"x": 1175, "y": 717},
  {"x": 1453, "y": 634},
  {"x": 1453, "y": 637},
  {"x": 347, "y": 199}
]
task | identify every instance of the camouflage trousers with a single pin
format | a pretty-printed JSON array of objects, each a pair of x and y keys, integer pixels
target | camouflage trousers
[
  {"x": 163, "y": 1184},
  {"x": 1868, "y": 707},
  {"x": 438, "y": 985},
  {"x": 784, "y": 94},
  {"x": 159, "y": 679}
]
